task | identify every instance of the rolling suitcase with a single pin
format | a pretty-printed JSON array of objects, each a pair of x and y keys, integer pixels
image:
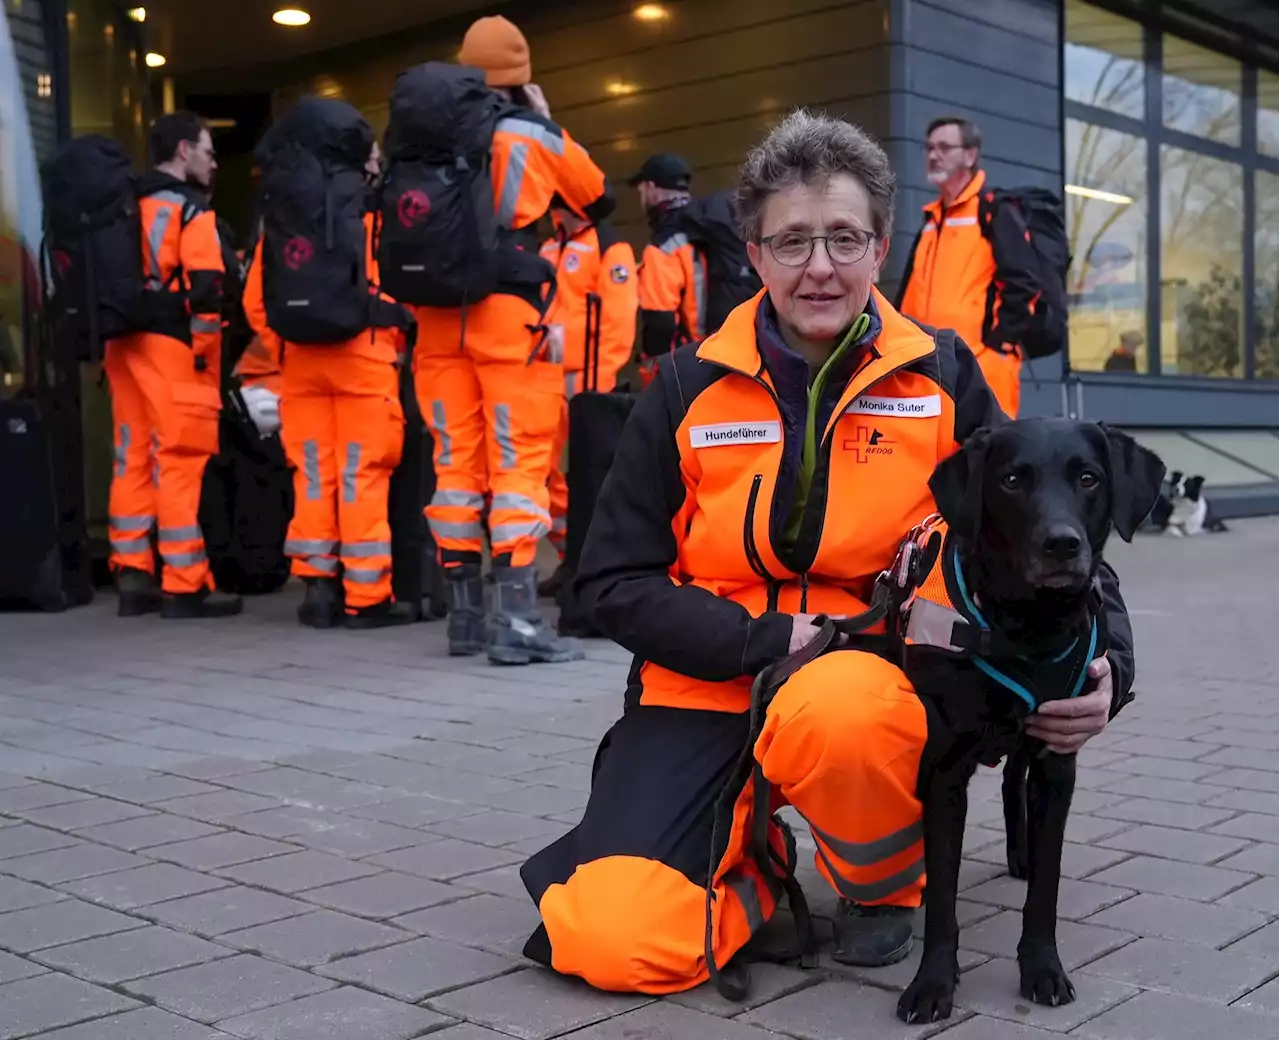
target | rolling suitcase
[{"x": 596, "y": 421}]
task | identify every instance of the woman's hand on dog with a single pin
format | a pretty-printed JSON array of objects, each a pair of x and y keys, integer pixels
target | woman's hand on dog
[{"x": 1065, "y": 725}]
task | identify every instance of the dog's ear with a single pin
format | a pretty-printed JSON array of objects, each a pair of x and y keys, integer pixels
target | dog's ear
[
  {"x": 1194, "y": 486},
  {"x": 1136, "y": 475},
  {"x": 1174, "y": 477},
  {"x": 957, "y": 486}
]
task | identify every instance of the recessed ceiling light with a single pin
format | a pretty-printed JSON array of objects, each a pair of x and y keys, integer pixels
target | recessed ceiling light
[
  {"x": 137, "y": 14},
  {"x": 293, "y": 17},
  {"x": 154, "y": 60},
  {"x": 651, "y": 13},
  {"x": 619, "y": 88}
]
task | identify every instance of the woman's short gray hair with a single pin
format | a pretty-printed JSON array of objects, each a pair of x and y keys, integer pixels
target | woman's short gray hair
[{"x": 809, "y": 148}]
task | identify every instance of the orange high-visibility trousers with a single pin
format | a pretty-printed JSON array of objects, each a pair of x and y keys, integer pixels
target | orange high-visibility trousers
[
  {"x": 1003, "y": 373},
  {"x": 557, "y": 485},
  {"x": 165, "y": 419},
  {"x": 494, "y": 415},
  {"x": 342, "y": 424},
  {"x": 622, "y": 896}
]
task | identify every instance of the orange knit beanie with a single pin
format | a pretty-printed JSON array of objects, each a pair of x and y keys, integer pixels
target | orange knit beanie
[{"x": 500, "y": 49}]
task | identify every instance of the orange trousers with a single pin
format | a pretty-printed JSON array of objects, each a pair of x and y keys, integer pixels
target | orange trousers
[
  {"x": 165, "y": 418},
  {"x": 557, "y": 485},
  {"x": 494, "y": 415},
  {"x": 623, "y": 897},
  {"x": 343, "y": 430},
  {"x": 1003, "y": 373}
]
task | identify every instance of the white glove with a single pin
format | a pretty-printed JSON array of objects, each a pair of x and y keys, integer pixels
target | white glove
[{"x": 263, "y": 407}]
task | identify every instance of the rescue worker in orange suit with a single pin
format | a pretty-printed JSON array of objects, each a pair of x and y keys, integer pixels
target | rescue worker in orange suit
[
  {"x": 592, "y": 262},
  {"x": 743, "y": 500},
  {"x": 165, "y": 385},
  {"x": 342, "y": 425},
  {"x": 673, "y": 275},
  {"x": 954, "y": 279},
  {"x": 490, "y": 379}
]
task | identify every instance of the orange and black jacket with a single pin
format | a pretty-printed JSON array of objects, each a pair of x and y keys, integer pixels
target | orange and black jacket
[
  {"x": 182, "y": 263},
  {"x": 695, "y": 560},
  {"x": 979, "y": 281},
  {"x": 673, "y": 286}
]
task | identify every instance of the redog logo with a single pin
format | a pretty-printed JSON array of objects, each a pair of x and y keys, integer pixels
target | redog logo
[
  {"x": 412, "y": 207},
  {"x": 298, "y": 252},
  {"x": 866, "y": 442}
]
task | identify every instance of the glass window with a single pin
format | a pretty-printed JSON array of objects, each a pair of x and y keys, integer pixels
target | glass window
[
  {"x": 1266, "y": 275},
  {"x": 1201, "y": 253},
  {"x": 1106, "y": 196},
  {"x": 1268, "y": 114},
  {"x": 1201, "y": 91},
  {"x": 107, "y": 92},
  {"x": 1104, "y": 60}
]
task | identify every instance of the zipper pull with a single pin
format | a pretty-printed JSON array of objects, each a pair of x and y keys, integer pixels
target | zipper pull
[{"x": 804, "y": 592}]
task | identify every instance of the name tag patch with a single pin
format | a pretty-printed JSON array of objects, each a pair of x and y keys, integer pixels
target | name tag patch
[
  {"x": 718, "y": 434},
  {"x": 900, "y": 407}
]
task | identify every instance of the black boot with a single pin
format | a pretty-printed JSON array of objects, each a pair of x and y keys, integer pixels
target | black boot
[
  {"x": 381, "y": 615},
  {"x": 872, "y": 936},
  {"x": 322, "y": 605},
  {"x": 202, "y": 604},
  {"x": 518, "y": 634},
  {"x": 138, "y": 592},
  {"x": 466, "y": 609}
]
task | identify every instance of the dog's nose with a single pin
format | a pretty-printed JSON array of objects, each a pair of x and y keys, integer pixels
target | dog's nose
[{"x": 1062, "y": 543}]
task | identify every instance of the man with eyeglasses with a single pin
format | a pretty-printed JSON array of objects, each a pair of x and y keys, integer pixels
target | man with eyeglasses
[{"x": 959, "y": 274}]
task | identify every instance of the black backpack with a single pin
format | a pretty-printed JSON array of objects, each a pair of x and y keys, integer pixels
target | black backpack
[
  {"x": 93, "y": 243},
  {"x": 314, "y": 199},
  {"x": 1041, "y": 211},
  {"x": 438, "y": 234},
  {"x": 711, "y": 225}
]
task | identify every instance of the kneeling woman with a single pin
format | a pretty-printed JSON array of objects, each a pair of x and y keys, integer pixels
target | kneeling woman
[{"x": 766, "y": 476}]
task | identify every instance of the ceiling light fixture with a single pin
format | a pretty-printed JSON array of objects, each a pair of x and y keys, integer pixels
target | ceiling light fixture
[
  {"x": 154, "y": 60},
  {"x": 137, "y": 14},
  {"x": 1098, "y": 194},
  {"x": 651, "y": 13},
  {"x": 293, "y": 17},
  {"x": 618, "y": 88}
]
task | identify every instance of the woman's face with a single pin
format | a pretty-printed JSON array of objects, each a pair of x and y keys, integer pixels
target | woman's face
[{"x": 818, "y": 299}]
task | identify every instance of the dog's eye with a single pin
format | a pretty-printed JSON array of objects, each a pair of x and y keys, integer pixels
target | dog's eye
[
  {"x": 1088, "y": 480},
  {"x": 1011, "y": 481}
]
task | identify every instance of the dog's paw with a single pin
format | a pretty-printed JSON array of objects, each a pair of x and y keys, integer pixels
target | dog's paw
[
  {"x": 1017, "y": 863},
  {"x": 930, "y": 996},
  {"x": 1044, "y": 980}
]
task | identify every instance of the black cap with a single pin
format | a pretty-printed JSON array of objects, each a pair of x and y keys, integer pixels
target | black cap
[{"x": 666, "y": 171}]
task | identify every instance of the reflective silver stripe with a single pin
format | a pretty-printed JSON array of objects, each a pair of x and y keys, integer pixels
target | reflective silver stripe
[
  {"x": 545, "y": 136},
  {"x": 310, "y": 547},
  {"x": 130, "y": 545},
  {"x": 520, "y": 529},
  {"x": 311, "y": 469},
  {"x": 960, "y": 221},
  {"x": 869, "y": 853},
  {"x": 364, "y": 550},
  {"x": 455, "y": 528},
  {"x": 349, "y": 472},
  {"x": 440, "y": 431},
  {"x": 184, "y": 559},
  {"x": 512, "y": 184},
  {"x": 360, "y": 576},
  {"x": 175, "y": 197},
  {"x": 462, "y": 499},
  {"x": 748, "y": 895},
  {"x": 570, "y": 385},
  {"x": 874, "y": 890},
  {"x": 199, "y": 324},
  {"x": 520, "y": 503},
  {"x": 700, "y": 294},
  {"x": 676, "y": 242},
  {"x": 179, "y": 534},
  {"x": 131, "y": 523},
  {"x": 502, "y": 434},
  {"x": 122, "y": 448},
  {"x": 932, "y": 624},
  {"x": 155, "y": 237},
  {"x": 324, "y": 564}
]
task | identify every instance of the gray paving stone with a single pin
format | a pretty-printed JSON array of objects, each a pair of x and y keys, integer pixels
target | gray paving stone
[
  {"x": 469, "y": 1031},
  {"x": 1257, "y": 826},
  {"x": 156, "y": 788},
  {"x": 23, "y": 931},
  {"x": 82, "y": 860},
  {"x": 447, "y": 859},
  {"x": 1085, "y": 829},
  {"x": 227, "y": 988},
  {"x": 111, "y": 959},
  {"x": 1163, "y": 1016},
  {"x": 356, "y": 838},
  {"x": 146, "y": 831},
  {"x": 1262, "y": 943},
  {"x": 1247, "y": 779},
  {"x": 1177, "y": 967},
  {"x": 26, "y": 839},
  {"x": 1257, "y": 859},
  {"x": 534, "y": 1004},
  {"x": 1165, "y": 877},
  {"x": 283, "y": 822},
  {"x": 415, "y": 811},
  {"x": 1265, "y": 999},
  {"x": 768, "y": 983},
  {"x": 505, "y": 881},
  {"x": 419, "y": 969},
  {"x": 981, "y": 1027},
  {"x": 842, "y": 1010},
  {"x": 298, "y": 871},
  {"x": 146, "y": 1024},
  {"x": 1167, "y": 917},
  {"x": 217, "y": 806},
  {"x": 1244, "y": 758},
  {"x": 1164, "y": 814},
  {"x": 485, "y": 921},
  {"x": 993, "y": 989},
  {"x": 314, "y": 938},
  {"x": 387, "y": 895},
  {"x": 226, "y": 910},
  {"x": 142, "y": 886},
  {"x": 672, "y": 1020},
  {"x": 539, "y": 800},
  {"x": 91, "y": 812},
  {"x": 498, "y": 828},
  {"x": 14, "y": 800},
  {"x": 1171, "y": 843},
  {"x": 1246, "y": 801},
  {"x": 51, "y": 1000},
  {"x": 340, "y": 1014},
  {"x": 1078, "y": 861},
  {"x": 1076, "y": 899},
  {"x": 1162, "y": 748},
  {"x": 895, "y": 976},
  {"x": 1077, "y": 943},
  {"x": 13, "y": 968},
  {"x": 1191, "y": 792},
  {"x": 1257, "y": 895},
  {"x": 18, "y": 895},
  {"x": 220, "y": 850},
  {"x": 214, "y": 768}
]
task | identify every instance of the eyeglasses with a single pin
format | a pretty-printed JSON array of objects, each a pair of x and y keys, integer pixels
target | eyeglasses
[
  {"x": 794, "y": 248},
  {"x": 943, "y": 148}
]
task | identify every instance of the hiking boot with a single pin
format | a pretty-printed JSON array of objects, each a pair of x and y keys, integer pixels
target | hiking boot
[
  {"x": 138, "y": 592},
  {"x": 872, "y": 936},
  {"x": 466, "y": 609},
  {"x": 550, "y": 588},
  {"x": 518, "y": 634},
  {"x": 322, "y": 605},
  {"x": 203, "y": 604},
  {"x": 381, "y": 615}
]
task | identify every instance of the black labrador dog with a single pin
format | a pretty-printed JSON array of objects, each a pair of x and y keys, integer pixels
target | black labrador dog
[{"x": 1029, "y": 506}]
